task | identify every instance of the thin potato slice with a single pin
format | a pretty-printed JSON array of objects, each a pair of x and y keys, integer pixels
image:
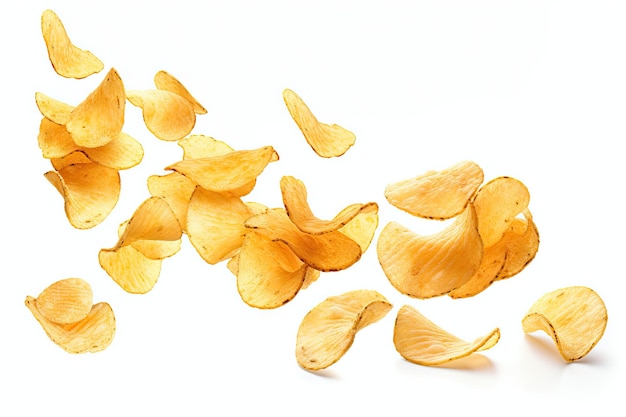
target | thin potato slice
[
  {"x": 437, "y": 195},
  {"x": 574, "y": 317},
  {"x": 420, "y": 341},
  {"x": 167, "y": 115},
  {"x": 134, "y": 272},
  {"x": 99, "y": 118},
  {"x": 53, "y": 110},
  {"x": 202, "y": 146},
  {"x": 433, "y": 265},
  {"x": 65, "y": 301},
  {"x": 361, "y": 228},
  {"x": 93, "y": 333},
  {"x": 67, "y": 60},
  {"x": 176, "y": 190},
  {"x": 328, "y": 330},
  {"x": 166, "y": 81},
  {"x": 326, "y": 140},
  {"x": 332, "y": 251}
]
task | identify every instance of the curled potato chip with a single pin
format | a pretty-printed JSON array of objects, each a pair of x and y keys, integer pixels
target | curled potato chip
[
  {"x": 167, "y": 115},
  {"x": 67, "y": 60},
  {"x": 326, "y": 140},
  {"x": 328, "y": 330},
  {"x": 361, "y": 228},
  {"x": 176, "y": 190},
  {"x": 99, "y": 118},
  {"x": 437, "y": 194},
  {"x": 433, "y": 265},
  {"x": 53, "y": 110},
  {"x": 166, "y": 81},
  {"x": 419, "y": 340},
  {"x": 202, "y": 146},
  {"x": 134, "y": 272},
  {"x": 574, "y": 317},
  {"x": 66, "y": 301}
]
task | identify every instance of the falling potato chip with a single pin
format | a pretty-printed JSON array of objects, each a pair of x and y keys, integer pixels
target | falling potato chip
[
  {"x": 432, "y": 265},
  {"x": 419, "y": 340},
  {"x": 328, "y": 330},
  {"x": 67, "y": 60},
  {"x": 167, "y": 115},
  {"x": 326, "y": 140},
  {"x": 166, "y": 81},
  {"x": 53, "y": 110},
  {"x": 176, "y": 190},
  {"x": 134, "y": 272},
  {"x": 100, "y": 117},
  {"x": 437, "y": 194},
  {"x": 66, "y": 301},
  {"x": 361, "y": 228},
  {"x": 574, "y": 317}
]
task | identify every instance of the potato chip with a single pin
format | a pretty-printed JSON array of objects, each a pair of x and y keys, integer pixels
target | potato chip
[
  {"x": 432, "y": 265},
  {"x": 574, "y": 317},
  {"x": 420, "y": 341},
  {"x": 202, "y": 146},
  {"x": 53, "y": 110},
  {"x": 67, "y": 60},
  {"x": 361, "y": 228},
  {"x": 99, "y": 118},
  {"x": 328, "y": 330},
  {"x": 326, "y": 140},
  {"x": 66, "y": 301},
  {"x": 166, "y": 81},
  {"x": 437, "y": 194},
  {"x": 176, "y": 190},
  {"x": 134, "y": 272}
]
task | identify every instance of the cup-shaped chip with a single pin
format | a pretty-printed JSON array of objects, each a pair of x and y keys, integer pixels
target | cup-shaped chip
[
  {"x": 328, "y": 330},
  {"x": 167, "y": 115},
  {"x": 431, "y": 265},
  {"x": 176, "y": 190},
  {"x": 54, "y": 110},
  {"x": 325, "y": 139},
  {"x": 65, "y": 301},
  {"x": 574, "y": 317},
  {"x": 437, "y": 194},
  {"x": 90, "y": 190},
  {"x": 419, "y": 340},
  {"x": 166, "y": 81},
  {"x": 93, "y": 333},
  {"x": 67, "y": 59},
  {"x": 332, "y": 251},
  {"x": 497, "y": 203},
  {"x": 133, "y": 271},
  {"x": 99, "y": 118}
]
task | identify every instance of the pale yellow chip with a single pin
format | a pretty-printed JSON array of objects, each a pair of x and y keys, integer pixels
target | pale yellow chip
[
  {"x": 54, "y": 110},
  {"x": 361, "y": 228},
  {"x": 326, "y": 140},
  {"x": 169, "y": 116},
  {"x": 574, "y": 317},
  {"x": 328, "y": 330},
  {"x": 431, "y": 265},
  {"x": 202, "y": 146},
  {"x": 99, "y": 118},
  {"x": 67, "y": 59},
  {"x": 65, "y": 301},
  {"x": 419, "y": 340},
  {"x": 176, "y": 190},
  {"x": 437, "y": 194},
  {"x": 134, "y": 272},
  {"x": 166, "y": 81}
]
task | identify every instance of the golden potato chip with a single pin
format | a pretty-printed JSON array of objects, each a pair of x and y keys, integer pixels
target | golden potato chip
[
  {"x": 66, "y": 301},
  {"x": 53, "y": 110},
  {"x": 361, "y": 228},
  {"x": 99, "y": 118},
  {"x": 134, "y": 272},
  {"x": 437, "y": 194},
  {"x": 166, "y": 81},
  {"x": 176, "y": 190},
  {"x": 167, "y": 115},
  {"x": 202, "y": 146},
  {"x": 419, "y": 340},
  {"x": 328, "y": 330},
  {"x": 67, "y": 60},
  {"x": 332, "y": 251},
  {"x": 326, "y": 140},
  {"x": 574, "y": 317},
  {"x": 433, "y": 265}
]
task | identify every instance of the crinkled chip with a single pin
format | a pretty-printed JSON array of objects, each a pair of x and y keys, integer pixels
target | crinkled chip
[
  {"x": 328, "y": 330},
  {"x": 326, "y": 140},
  {"x": 419, "y": 340},
  {"x": 431, "y": 265},
  {"x": 167, "y": 115},
  {"x": 574, "y": 317},
  {"x": 67, "y": 60},
  {"x": 65, "y": 301},
  {"x": 166, "y": 81},
  {"x": 437, "y": 194}
]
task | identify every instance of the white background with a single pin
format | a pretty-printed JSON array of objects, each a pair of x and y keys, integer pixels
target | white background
[{"x": 531, "y": 89}]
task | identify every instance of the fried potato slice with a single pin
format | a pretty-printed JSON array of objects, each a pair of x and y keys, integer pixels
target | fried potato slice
[
  {"x": 134, "y": 272},
  {"x": 167, "y": 115},
  {"x": 99, "y": 118},
  {"x": 361, "y": 228},
  {"x": 176, "y": 190},
  {"x": 166, "y": 81},
  {"x": 296, "y": 204},
  {"x": 420, "y": 341},
  {"x": 54, "y": 110},
  {"x": 332, "y": 251},
  {"x": 202, "y": 146},
  {"x": 326, "y": 140},
  {"x": 497, "y": 203},
  {"x": 432, "y": 265},
  {"x": 93, "y": 333},
  {"x": 574, "y": 317},
  {"x": 328, "y": 330},
  {"x": 67, "y": 59},
  {"x": 90, "y": 190},
  {"x": 65, "y": 301},
  {"x": 437, "y": 195}
]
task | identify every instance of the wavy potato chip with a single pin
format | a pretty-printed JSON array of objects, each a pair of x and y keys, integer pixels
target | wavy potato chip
[
  {"x": 574, "y": 317},
  {"x": 326, "y": 140},
  {"x": 165, "y": 81},
  {"x": 328, "y": 330},
  {"x": 176, "y": 190},
  {"x": 169, "y": 116},
  {"x": 420, "y": 341},
  {"x": 67, "y": 59},
  {"x": 65, "y": 301},
  {"x": 134, "y": 272},
  {"x": 54, "y": 110}
]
